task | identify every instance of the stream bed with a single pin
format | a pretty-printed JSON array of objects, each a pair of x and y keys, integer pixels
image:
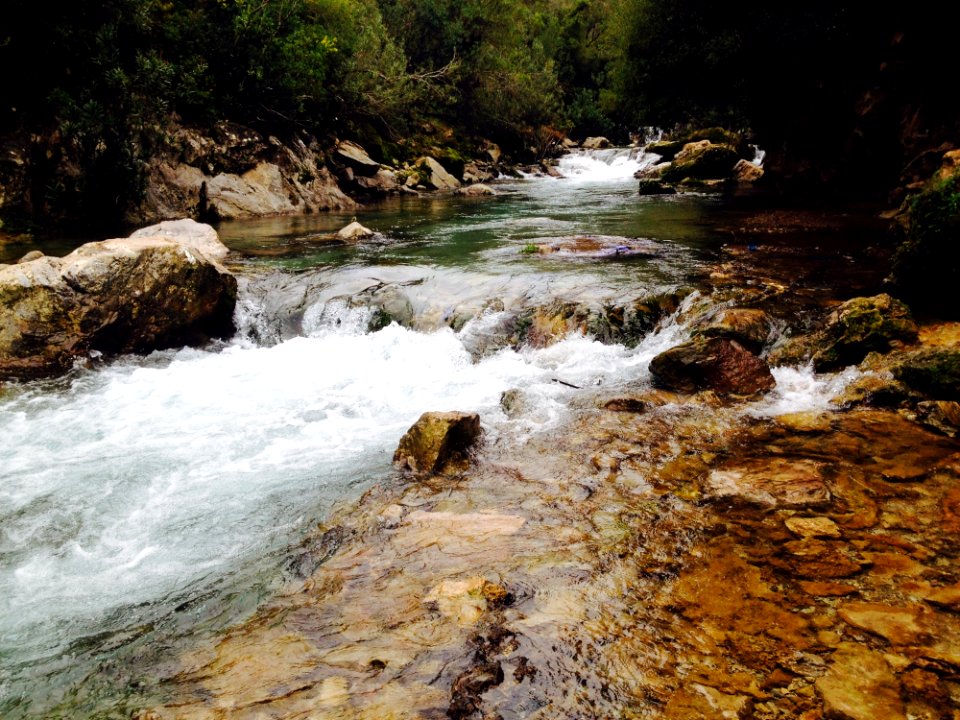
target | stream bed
[{"x": 220, "y": 532}]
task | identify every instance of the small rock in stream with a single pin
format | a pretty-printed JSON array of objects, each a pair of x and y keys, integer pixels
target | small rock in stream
[{"x": 438, "y": 443}]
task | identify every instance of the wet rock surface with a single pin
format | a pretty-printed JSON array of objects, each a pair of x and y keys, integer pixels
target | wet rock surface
[
  {"x": 717, "y": 364},
  {"x": 824, "y": 586},
  {"x": 439, "y": 442}
]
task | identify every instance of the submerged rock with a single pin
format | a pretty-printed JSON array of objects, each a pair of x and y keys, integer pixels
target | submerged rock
[
  {"x": 649, "y": 186},
  {"x": 775, "y": 482},
  {"x": 438, "y": 443},
  {"x": 718, "y": 364},
  {"x": 478, "y": 190},
  {"x": 162, "y": 287}
]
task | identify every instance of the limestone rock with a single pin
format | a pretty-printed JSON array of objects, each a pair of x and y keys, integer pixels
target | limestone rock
[
  {"x": 860, "y": 685},
  {"x": 433, "y": 174},
  {"x": 941, "y": 415},
  {"x": 775, "y": 482},
  {"x": 666, "y": 149},
  {"x": 438, "y": 442},
  {"x": 596, "y": 143},
  {"x": 161, "y": 287},
  {"x": 717, "y": 364},
  {"x": 30, "y": 256},
  {"x": 746, "y": 172},
  {"x": 354, "y": 231},
  {"x": 356, "y": 158}
]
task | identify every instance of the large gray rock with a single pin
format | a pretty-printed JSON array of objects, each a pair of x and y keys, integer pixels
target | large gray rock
[
  {"x": 432, "y": 173},
  {"x": 162, "y": 287},
  {"x": 356, "y": 158}
]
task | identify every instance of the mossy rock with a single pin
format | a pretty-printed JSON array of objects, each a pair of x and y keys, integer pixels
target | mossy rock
[
  {"x": 705, "y": 161},
  {"x": 655, "y": 187},
  {"x": 926, "y": 266},
  {"x": 860, "y": 326},
  {"x": 451, "y": 160},
  {"x": 666, "y": 149},
  {"x": 934, "y": 372},
  {"x": 438, "y": 443}
]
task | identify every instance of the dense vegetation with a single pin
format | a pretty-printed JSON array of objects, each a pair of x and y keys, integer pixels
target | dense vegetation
[{"x": 831, "y": 89}]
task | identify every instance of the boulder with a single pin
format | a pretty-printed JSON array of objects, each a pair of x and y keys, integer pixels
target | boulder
[
  {"x": 30, "y": 256},
  {"x": 652, "y": 172},
  {"x": 718, "y": 364},
  {"x": 162, "y": 287},
  {"x": 438, "y": 443},
  {"x": 860, "y": 326},
  {"x": 356, "y": 157},
  {"x": 492, "y": 151},
  {"x": 702, "y": 160},
  {"x": 478, "y": 190},
  {"x": 596, "y": 143},
  {"x": 354, "y": 231},
  {"x": 432, "y": 173}
]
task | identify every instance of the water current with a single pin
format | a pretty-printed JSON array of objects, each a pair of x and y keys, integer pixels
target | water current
[{"x": 147, "y": 498}]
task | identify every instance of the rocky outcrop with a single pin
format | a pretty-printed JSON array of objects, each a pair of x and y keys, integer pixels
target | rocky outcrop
[
  {"x": 356, "y": 158},
  {"x": 438, "y": 443},
  {"x": 162, "y": 287},
  {"x": 717, "y": 364},
  {"x": 234, "y": 172}
]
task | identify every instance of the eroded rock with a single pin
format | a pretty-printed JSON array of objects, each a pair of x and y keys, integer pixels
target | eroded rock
[{"x": 439, "y": 442}]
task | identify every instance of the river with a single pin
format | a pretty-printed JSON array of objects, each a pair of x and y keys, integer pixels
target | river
[{"x": 149, "y": 501}]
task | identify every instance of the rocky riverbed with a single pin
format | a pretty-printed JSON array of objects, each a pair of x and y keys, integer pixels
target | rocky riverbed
[{"x": 660, "y": 555}]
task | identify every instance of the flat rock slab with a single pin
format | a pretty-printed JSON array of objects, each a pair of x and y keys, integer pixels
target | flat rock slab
[
  {"x": 774, "y": 482},
  {"x": 597, "y": 247}
]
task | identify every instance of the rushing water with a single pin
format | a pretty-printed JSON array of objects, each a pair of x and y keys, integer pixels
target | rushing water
[{"x": 151, "y": 496}]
